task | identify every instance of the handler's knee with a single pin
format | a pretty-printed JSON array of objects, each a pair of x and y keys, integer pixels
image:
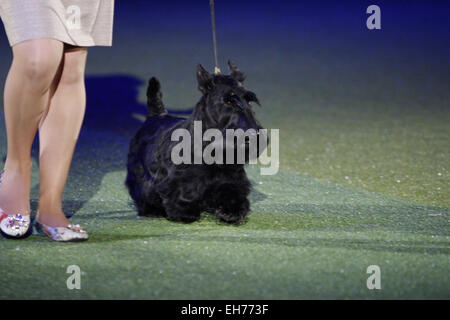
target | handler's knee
[{"x": 37, "y": 62}]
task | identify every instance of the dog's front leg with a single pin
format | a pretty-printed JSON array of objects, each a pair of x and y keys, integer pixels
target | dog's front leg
[{"x": 229, "y": 202}]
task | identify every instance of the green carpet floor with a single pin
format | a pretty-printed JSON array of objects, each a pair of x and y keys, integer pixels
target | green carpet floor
[{"x": 305, "y": 239}]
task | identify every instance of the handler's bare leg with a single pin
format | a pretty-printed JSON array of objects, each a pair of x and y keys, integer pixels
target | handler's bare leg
[
  {"x": 27, "y": 92},
  {"x": 58, "y": 134}
]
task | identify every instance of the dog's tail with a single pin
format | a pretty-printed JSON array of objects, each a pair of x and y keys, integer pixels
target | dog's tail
[{"x": 154, "y": 98}]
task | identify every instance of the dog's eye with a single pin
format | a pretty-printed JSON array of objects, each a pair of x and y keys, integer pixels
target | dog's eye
[
  {"x": 230, "y": 99},
  {"x": 209, "y": 86},
  {"x": 233, "y": 100}
]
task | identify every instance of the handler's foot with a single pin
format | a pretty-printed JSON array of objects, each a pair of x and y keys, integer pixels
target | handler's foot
[
  {"x": 50, "y": 213},
  {"x": 52, "y": 219},
  {"x": 14, "y": 210},
  {"x": 63, "y": 233}
]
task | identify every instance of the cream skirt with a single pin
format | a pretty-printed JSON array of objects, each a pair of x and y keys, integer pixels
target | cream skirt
[{"x": 81, "y": 23}]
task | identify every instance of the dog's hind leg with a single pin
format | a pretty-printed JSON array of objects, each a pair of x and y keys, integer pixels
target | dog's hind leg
[
  {"x": 150, "y": 210},
  {"x": 154, "y": 98}
]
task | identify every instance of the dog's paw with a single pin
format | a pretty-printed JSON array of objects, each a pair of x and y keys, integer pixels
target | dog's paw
[{"x": 231, "y": 218}]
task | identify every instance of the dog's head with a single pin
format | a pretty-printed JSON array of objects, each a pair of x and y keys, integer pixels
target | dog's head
[{"x": 227, "y": 104}]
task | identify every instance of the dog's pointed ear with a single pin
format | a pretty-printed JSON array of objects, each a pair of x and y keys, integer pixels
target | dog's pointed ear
[
  {"x": 204, "y": 79},
  {"x": 235, "y": 72}
]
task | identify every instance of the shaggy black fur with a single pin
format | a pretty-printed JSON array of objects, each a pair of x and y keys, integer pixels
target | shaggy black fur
[{"x": 182, "y": 192}]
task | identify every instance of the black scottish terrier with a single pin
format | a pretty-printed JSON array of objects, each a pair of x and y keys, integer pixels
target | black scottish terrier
[{"x": 181, "y": 192}]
